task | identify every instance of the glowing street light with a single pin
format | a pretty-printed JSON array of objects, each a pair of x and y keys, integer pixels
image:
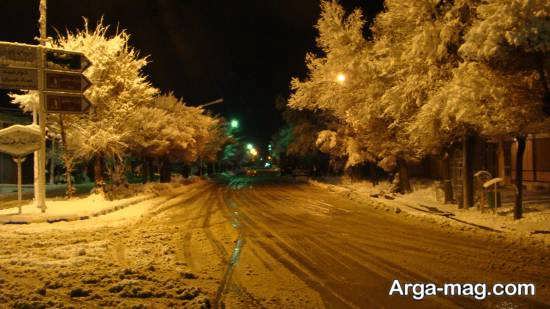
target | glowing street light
[
  {"x": 234, "y": 124},
  {"x": 253, "y": 152},
  {"x": 341, "y": 78},
  {"x": 249, "y": 146}
]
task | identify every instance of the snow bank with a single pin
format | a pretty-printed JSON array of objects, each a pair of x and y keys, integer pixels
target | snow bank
[
  {"x": 83, "y": 208},
  {"x": 422, "y": 203}
]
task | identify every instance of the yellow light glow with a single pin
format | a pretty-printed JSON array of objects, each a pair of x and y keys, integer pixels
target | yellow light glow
[
  {"x": 253, "y": 152},
  {"x": 341, "y": 78}
]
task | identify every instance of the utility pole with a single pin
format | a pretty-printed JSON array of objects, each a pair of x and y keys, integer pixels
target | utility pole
[
  {"x": 41, "y": 187},
  {"x": 218, "y": 101}
]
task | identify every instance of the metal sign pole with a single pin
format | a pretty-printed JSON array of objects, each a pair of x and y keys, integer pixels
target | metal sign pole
[
  {"x": 41, "y": 197},
  {"x": 19, "y": 161}
]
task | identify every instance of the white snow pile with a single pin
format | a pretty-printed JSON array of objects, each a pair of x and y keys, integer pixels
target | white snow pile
[
  {"x": 86, "y": 207},
  {"x": 423, "y": 202}
]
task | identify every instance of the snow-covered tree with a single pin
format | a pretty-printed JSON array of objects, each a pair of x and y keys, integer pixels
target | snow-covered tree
[
  {"x": 169, "y": 130},
  {"x": 119, "y": 86},
  {"x": 350, "y": 81},
  {"x": 500, "y": 88},
  {"x": 337, "y": 80}
]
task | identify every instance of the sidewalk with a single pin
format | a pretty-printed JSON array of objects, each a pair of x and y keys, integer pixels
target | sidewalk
[
  {"x": 422, "y": 203},
  {"x": 92, "y": 205},
  {"x": 8, "y": 192},
  {"x": 68, "y": 210}
]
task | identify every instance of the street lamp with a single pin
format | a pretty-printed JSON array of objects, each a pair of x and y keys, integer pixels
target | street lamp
[
  {"x": 249, "y": 147},
  {"x": 341, "y": 78}
]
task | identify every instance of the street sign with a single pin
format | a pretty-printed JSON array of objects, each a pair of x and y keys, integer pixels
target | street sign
[
  {"x": 19, "y": 140},
  {"x": 26, "y": 56},
  {"x": 18, "y": 55},
  {"x": 18, "y": 78},
  {"x": 66, "y": 103},
  {"x": 66, "y": 81},
  {"x": 58, "y": 59}
]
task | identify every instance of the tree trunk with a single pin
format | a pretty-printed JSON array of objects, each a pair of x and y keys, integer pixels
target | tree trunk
[
  {"x": 373, "y": 174},
  {"x": 118, "y": 176},
  {"x": 467, "y": 172},
  {"x": 518, "y": 209},
  {"x": 70, "y": 191},
  {"x": 404, "y": 182},
  {"x": 67, "y": 160},
  {"x": 52, "y": 162},
  {"x": 165, "y": 170},
  {"x": 98, "y": 173},
  {"x": 501, "y": 170},
  {"x": 147, "y": 170},
  {"x": 446, "y": 178},
  {"x": 544, "y": 79}
]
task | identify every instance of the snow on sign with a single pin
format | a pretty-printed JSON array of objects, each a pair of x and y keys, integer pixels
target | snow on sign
[
  {"x": 19, "y": 64},
  {"x": 26, "y": 56},
  {"x": 18, "y": 78},
  {"x": 58, "y": 59},
  {"x": 19, "y": 140},
  {"x": 18, "y": 55},
  {"x": 66, "y": 81},
  {"x": 66, "y": 103}
]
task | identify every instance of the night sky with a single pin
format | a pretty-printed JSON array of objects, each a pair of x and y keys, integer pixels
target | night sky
[{"x": 243, "y": 51}]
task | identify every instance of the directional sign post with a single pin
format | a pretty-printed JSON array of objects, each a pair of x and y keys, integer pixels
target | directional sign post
[
  {"x": 66, "y": 103},
  {"x": 63, "y": 60},
  {"x": 57, "y": 75},
  {"x": 18, "y": 78},
  {"x": 66, "y": 81},
  {"x": 18, "y": 55}
]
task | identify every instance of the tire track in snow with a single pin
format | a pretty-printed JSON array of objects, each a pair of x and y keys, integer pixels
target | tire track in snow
[
  {"x": 227, "y": 280},
  {"x": 297, "y": 263}
]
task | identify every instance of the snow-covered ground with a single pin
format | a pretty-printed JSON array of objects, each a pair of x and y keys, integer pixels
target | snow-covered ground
[
  {"x": 67, "y": 210},
  {"x": 423, "y": 203},
  {"x": 109, "y": 260},
  {"x": 8, "y": 193},
  {"x": 264, "y": 245},
  {"x": 59, "y": 209}
]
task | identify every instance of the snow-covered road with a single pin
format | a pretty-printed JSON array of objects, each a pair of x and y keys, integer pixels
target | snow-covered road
[{"x": 255, "y": 245}]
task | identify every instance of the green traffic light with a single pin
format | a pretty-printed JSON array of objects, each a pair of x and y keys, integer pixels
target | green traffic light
[
  {"x": 249, "y": 146},
  {"x": 234, "y": 123}
]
